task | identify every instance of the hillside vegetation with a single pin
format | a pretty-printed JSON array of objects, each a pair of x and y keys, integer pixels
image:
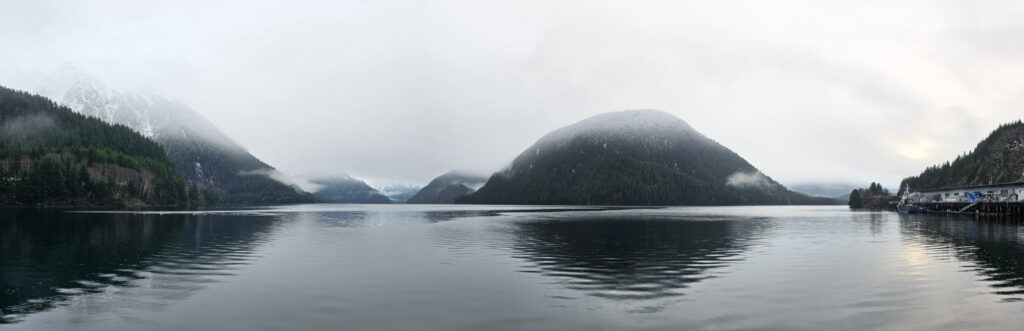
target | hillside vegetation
[
  {"x": 639, "y": 157},
  {"x": 999, "y": 158},
  {"x": 203, "y": 155},
  {"x": 445, "y": 189},
  {"x": 873, "y": 197},
  {"x": 51, "y": 155}
]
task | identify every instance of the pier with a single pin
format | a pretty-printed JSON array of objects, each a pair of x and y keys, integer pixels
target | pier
[
  {"x": 978, "y": 207},
  {"x": 991, "y": 199}
]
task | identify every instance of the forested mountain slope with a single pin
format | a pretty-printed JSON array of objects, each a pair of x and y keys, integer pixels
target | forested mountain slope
[
  {"x": 999, "y": 158},
  {"x": 449, "y": 187},
  {"x": 200, "y": 152},
  {"x": 345, "y": 189},
  {"x": 638, "y": 157},
  {"x": 51, "y": 155}
]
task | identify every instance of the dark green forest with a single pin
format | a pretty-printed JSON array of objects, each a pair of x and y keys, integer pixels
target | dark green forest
[
  {"x": 446, "y": 188},
  {"x": 999, "y": 158},
  {"x": 587, "y": 172},
  {"x": 873, "y": 197},
  {"x": 348, "y": 190},
  {"x": 240, "y": 177},
  {"x": 51, "y": 155}
]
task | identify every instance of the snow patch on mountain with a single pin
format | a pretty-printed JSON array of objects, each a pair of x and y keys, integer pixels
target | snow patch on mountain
[
  {"x": 654, "y": 127},
  {"x": 151, "y": 115}
]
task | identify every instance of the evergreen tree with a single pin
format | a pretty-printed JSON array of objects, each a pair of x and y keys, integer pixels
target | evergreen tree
[
  {"x": 6, "y": 186},
  {"x": 193, "y": 194},
  {"x": 873, "y": 197},
  {"x": 996, "y": 159},
  {"x": 855, "y": 199},
  {"x": 85, "y": 182},
  {"x": 58, "y": 152}
]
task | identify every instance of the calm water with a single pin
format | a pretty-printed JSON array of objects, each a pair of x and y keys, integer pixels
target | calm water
[{"x": 358, "y": 267}]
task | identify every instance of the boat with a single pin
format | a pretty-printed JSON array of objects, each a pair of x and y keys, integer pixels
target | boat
[
  {"x": 910, "y": 209},
  {"x": 907, "y": 205}
]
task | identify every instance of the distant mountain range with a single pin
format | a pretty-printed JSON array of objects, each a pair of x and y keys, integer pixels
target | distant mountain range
[
  {"x": 50, "y": 155},
  {"x": 200, "y": 152},
  {"x": 345, "y": 189},
  {"x": 445, "y": 189},
  {"x": 637, "y": 157},
  {"x": 999, "y": 158},
  {"x": 397, "y": 192},
  {"x": 839, "y": 191}
]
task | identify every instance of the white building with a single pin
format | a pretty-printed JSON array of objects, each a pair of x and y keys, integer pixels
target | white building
[{"x": 1005, "y": 192}]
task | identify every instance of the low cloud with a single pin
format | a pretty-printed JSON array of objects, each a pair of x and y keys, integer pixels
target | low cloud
[
  {"x": 27, "y": 126},
  {"x": 753, "y": 179},
  {"x": 284, "y": 179},
  {"x": 439, "y": 94}
]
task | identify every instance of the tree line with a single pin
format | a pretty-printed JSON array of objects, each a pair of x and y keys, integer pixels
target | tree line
[
  {"x": 47, "y": 151},
  {"x": 872, "y": 197}
]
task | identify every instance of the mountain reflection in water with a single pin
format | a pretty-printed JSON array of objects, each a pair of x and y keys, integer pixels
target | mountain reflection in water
[
  {"x": 631, "y": 258},
  {"x": 50, "y": 256},
  {"x": 450, "y": 267}
]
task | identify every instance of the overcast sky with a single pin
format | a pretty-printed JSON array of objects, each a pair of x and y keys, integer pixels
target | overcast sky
[{"x": 851, "y": 91}]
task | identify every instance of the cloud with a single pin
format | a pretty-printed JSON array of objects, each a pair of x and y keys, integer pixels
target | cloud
[
  {"x": 407, "y": 90},
  {"x": 274, "y": 174},
  {"x": 27, "y": 127},
  {"x": 754, "y": 179}
]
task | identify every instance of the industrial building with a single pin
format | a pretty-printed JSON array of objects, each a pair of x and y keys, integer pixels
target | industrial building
[{"x": 1003, "y": 192}]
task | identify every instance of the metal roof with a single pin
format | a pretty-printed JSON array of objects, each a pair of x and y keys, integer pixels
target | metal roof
[{"x": 1020, "y": 183}]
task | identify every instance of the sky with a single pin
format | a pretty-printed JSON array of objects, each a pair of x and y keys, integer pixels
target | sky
[{"x": 403, "y": 91}]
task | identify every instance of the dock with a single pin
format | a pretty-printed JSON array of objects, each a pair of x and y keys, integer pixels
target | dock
[
  {"x": 990, "y": 199},
  {"x": 977, "y": 207}
]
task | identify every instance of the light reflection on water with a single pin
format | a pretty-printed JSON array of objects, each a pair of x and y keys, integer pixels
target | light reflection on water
[
  {"x": 991, "y": 247},
  {"x": 508, "y": 267}
]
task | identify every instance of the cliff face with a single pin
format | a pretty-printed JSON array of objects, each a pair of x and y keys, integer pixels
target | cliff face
[
  {"x": 128, "y": 186},
  {"x": 999, "y": 158}
]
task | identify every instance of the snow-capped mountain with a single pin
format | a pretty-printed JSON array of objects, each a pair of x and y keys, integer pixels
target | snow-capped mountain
[
  {"x": 199, "y": 150},
  {"x": 397, "y": 192},
  {"x": 151, "y": 115}
]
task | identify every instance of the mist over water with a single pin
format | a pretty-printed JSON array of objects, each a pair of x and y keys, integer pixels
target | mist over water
[{"x": 508, "y": 268}]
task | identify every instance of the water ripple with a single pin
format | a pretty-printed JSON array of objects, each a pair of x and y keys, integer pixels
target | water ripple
[
  {"x": 161, "y": 255},
  {"x": 992, "y": 248},
  {"x": 631, "y": 259}
]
